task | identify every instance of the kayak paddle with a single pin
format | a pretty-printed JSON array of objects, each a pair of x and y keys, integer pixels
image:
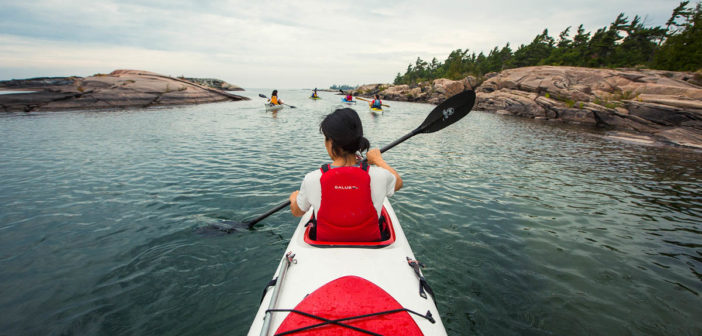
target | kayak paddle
[
  {"x": 264, "y": 96},
  {"x": 366, "y": 100},
  {"x": 445, "y": 114}
]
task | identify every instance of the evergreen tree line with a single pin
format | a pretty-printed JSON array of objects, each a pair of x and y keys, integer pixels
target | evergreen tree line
[
  {"x": 342, "y": 87},
  {"x": 625, "y": 43}
]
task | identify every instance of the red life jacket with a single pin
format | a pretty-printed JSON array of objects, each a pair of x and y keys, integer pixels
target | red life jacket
[{"x": 346, "y": 213}]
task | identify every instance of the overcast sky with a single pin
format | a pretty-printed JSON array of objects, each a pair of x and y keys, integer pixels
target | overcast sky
[{"x": 276, "y": 44}]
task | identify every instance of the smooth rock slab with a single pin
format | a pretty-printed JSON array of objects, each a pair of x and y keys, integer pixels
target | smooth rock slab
[{"x": 119, "y": 89}]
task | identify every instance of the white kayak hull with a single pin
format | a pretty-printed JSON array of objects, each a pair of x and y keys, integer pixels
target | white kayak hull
[
  {"x": 314, "y": 267},
  {"x": 376, "y": 111},
  {"x": 273, "y": 108}
]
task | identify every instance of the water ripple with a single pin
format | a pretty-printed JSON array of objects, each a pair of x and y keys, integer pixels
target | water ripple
[{"x": 526, "y": 227}]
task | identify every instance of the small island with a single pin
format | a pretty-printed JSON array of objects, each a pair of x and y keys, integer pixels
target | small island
[{"x": 116, "y": 90}]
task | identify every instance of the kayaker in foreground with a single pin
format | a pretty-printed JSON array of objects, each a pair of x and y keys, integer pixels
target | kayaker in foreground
[
  {"x": 376, "y": 103},
  {"x": 346, "y": 195},
  {"x": 274, "y": 98}
]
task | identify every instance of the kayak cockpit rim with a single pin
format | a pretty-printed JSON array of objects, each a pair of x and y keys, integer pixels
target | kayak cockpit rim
[{"x": 387, "y": 230}]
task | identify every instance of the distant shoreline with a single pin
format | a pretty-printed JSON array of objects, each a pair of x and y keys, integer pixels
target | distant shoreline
[
  {"x": 117, "y": 90},
  {"x": 651, "y": 105}
]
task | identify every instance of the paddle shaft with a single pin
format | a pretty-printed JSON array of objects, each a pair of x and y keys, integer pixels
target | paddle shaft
[
  {"x": 366, "y": 100},
  {"x": 400, "y": 140},
  {"x": 268, "y": 213}
]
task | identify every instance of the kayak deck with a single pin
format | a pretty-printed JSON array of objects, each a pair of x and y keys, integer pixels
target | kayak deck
[
  {"x": 354, "y": 302},
  {"x": 274, "y": 107},
  {"x": 314, "y": 268}
]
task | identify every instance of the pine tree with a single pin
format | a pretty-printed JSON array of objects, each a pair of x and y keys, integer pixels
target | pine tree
[
  {"x": 682, "y": 49},
  {"x": 623, "y": 43}
]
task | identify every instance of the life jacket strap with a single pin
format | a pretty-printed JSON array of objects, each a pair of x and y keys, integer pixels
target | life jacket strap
[{"x": 364, "y": 165}]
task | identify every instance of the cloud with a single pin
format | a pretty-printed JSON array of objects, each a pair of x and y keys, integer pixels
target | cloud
[{"x": 266, "y": 43}]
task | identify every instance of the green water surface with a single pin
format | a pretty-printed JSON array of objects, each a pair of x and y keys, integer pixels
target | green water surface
[{"x": 526, "y": 227}]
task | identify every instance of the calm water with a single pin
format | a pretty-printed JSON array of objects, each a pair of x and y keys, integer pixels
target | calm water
[
  {"x": 3, "y": 92},
  {"x": 527, "y": 228}
]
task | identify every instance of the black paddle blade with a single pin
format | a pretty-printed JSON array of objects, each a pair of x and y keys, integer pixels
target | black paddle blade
[
  {"x": 448, "y": 112},
  {"x": 262, "y": 95}
]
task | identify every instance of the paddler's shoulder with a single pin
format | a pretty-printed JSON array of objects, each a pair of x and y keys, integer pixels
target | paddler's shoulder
[
  {"x": 314, "y": 175},
  {"x": 378, "y": 171}
]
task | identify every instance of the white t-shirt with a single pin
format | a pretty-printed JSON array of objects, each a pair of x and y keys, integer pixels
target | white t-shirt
[{"x": 382, "y": 184}]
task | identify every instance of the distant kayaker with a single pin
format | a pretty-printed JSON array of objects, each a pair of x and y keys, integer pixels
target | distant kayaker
[
  {"x": 349, "y": 97},
  {"x": 346, "y": 195},
  {"x": 274, "y": 98},
  {"x": 314, "y": 94},
  {"x": 376, "y": 103}
]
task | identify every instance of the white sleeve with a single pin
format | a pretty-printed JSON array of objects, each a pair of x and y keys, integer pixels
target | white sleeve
[
  {"x": 391, "y": 180},
  {"x": 303, "y": 201}
]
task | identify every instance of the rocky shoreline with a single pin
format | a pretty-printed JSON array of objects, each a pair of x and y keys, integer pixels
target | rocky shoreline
[
  {"x": 649, "y": 106},
  {"x": 119, "y": 89},
  {"x": 214, "y": 83}
]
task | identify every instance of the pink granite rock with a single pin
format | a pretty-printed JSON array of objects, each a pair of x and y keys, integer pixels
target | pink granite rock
[
  {"x": 664, "y": 104},
  {"x": 119, "y": 89}
]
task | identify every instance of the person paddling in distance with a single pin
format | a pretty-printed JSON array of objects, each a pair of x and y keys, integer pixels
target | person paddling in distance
[
  {"x": 347, "y": 195},
  {"x": 314, "y": 94},
  {"x": 274, "y": 98},
  {"x": 376, "y": 103},
  {"x": 349, "y": 97}
]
